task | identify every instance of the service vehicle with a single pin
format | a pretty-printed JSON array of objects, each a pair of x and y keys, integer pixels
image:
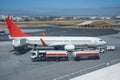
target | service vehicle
[
  {"x": 87, "y": 54},
  {"x": 49, "y": 55}
]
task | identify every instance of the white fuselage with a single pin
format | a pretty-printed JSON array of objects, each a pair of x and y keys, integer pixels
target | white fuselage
[
  {"x": 56, "y": 41},
  {"x": 68, "y": 42}
]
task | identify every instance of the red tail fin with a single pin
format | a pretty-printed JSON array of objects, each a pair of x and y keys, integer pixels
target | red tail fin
[{"x": 14, "y": 30}]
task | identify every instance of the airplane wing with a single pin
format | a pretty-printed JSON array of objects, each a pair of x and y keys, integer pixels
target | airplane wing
[
  {"x": 43, "y": 43},
  {"x": 52, "y": 45},
  {"x": 56, "y": 44}
]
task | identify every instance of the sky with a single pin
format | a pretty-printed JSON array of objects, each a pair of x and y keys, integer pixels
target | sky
[
  {"x": 52, "y": 5},
  {"x": 37, "y": 4}
]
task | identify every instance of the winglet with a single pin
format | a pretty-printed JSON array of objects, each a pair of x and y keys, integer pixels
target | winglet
[
  {"x": 14, "y": 30},
  {"x": 43, "y": 43},
  {"x": 43, "y": 34}
]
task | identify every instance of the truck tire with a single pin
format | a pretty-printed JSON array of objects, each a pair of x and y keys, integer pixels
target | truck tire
[
  {"x": 57, "y": 59},
  {"x": 77, "y": 59},
  {"x": 67, "y": 59},
  {"x": 32, "y": 59},
  {"x": 97, "y": 57}
]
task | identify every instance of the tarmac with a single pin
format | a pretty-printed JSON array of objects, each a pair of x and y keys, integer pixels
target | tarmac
[
  {"x": 20, "y": 67},
  {"x": 108, "y": 73}
]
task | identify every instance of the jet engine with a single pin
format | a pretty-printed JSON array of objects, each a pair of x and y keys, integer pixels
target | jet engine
[{"x": 69, "y": 47}]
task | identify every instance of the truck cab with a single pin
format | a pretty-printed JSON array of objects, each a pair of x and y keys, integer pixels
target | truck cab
[{"x": 37, "y": 55}]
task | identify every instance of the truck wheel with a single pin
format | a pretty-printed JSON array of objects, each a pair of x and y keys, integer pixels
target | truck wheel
[
  {"x": 97, "y": 57},
  {"x": 67, "y": 59},
  {"x": 76, "y": 59},
  {"x": 33, "y": 60},
  {"x": 57, "y": 59}
]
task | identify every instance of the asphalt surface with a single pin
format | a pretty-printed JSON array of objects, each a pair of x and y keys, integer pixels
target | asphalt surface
[
  {"x": 56, "y": 31},
  {"x": 20, "y": 67}
]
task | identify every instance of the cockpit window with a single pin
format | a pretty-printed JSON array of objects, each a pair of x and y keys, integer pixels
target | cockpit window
[{"x": 100, "y": 40}]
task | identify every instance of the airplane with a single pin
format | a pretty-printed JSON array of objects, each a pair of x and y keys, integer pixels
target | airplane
[{"x": 21, "y": 41}]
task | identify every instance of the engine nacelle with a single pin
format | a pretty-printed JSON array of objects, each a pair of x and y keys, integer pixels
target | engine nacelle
[
  {"x": 19, "y": 43},
  {"x": 69, "y": 47}
]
